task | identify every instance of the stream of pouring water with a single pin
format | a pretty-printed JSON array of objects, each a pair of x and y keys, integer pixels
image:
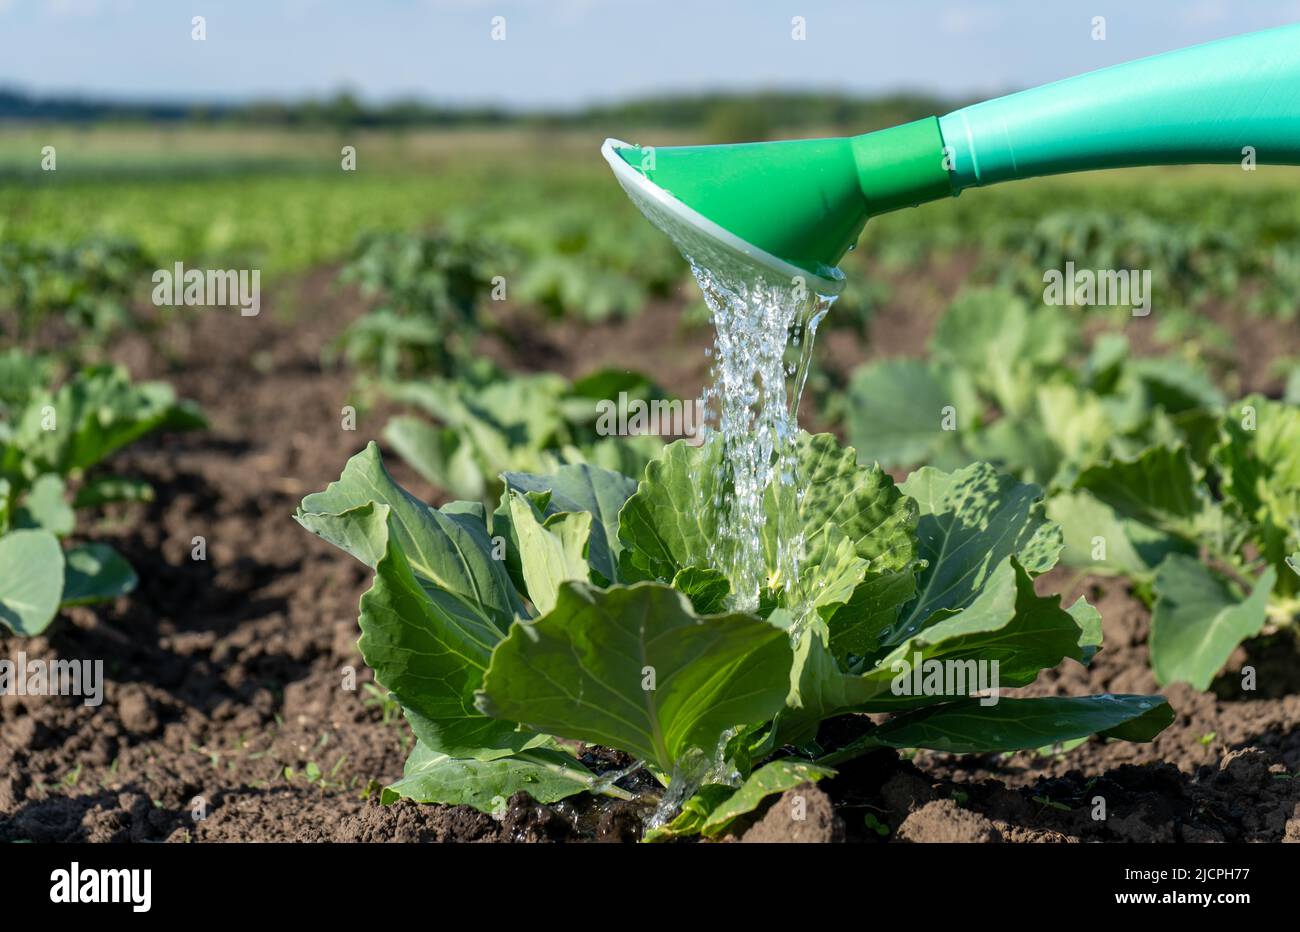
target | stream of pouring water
[
  {"x": 763, "y": 337},
  {"x": 762, "y": 348}
]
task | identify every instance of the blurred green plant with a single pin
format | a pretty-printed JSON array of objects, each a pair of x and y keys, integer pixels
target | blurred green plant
[
  {"x": 489, "y": 423},
  {"x": 576, "y": 259},
  {"x": 50, "y": 440},
  {"x": 429, "y": 289},
  {"x": 89, "y": 284}
]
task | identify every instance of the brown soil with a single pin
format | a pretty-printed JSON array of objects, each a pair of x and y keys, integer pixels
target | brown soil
[{"x": 225, "y": 677}]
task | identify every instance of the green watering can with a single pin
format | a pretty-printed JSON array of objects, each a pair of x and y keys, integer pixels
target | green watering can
[{"x": 792, "y": 209}]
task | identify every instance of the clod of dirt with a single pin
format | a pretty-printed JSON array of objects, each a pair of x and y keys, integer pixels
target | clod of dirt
[
  {"x": 1249, "y": 766},
  {"x": 905, "y": 791},
  {"x": 622, "y": 821},
  {"x": 942, "y": 820},
  {"x": 802, "y": 815},
  {"x": 1257, "y": 793},
  {"x": 530, "y": 821},
  {"x": 136, "y": 711}
]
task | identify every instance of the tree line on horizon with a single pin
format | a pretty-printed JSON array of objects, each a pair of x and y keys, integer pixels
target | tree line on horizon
[{"x": 723, "y": 117}]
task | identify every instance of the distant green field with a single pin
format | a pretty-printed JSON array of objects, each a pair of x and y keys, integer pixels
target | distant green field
[{"x": 279, "y": 200}]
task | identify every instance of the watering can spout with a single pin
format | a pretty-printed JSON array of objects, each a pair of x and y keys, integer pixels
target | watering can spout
[
  {"x": 796, "y": 207},
  {"x": 804, "y": 201}
]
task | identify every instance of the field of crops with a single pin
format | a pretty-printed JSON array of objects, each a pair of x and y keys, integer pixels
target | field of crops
[{"x": 1106, "y": 498}]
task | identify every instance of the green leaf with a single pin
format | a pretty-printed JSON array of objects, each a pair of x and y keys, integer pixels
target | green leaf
[
  {"x": 852, "y": 521},
  {"x": 749, "y": 744},
  {"x": 21, "y": 376},
  {"x": 547, "y": 775},
  {"x": 1130, "y": 547},
  {"x": 95, "y": 413},
  {"x": 31, "y": 580},
  {"x": 856, "y": 526},
  {"x": 1158, "y": 487},
  {"x": 898, "y": 410},
  {"x": 634, "y": 668},
  {"x": 1003, "y": 343},
  {"x": 579, "y": 487},
  {"x": 1105, "y": 363},
  {"x": 626, "y": 455},
  {"x": 668, "y": 525},
  {"x": 96, "y": 573},
  {"x": 1019, "y": 446},
  {"x": 527, "y": 405},
  {"x": 1077, "y": 423},
  {"x": 109, "y": 489},
  {"x": 355, "y": 531},
  {"x": 501, "y": 423},
  {"x": 1260, "y": 463},
  {"x": 1175, "y": 385},
  {"x": 818, "y": 688},
  {"x": 1007, "y": 622},
  {"x": 966, "y": 727},
  {"x": 694, "y": 813},
  {"x": 707, "y": 588},
  {"x": 46, "y": 507},
  {"x": 1088, "y": 619},
  {"x": 447, "y": 549},
  {"x": 1198, "y": 621},
  {"x": 857, "y": 627},
  {"x": 552, "y": 553},
  {"x": 426, "y": 644},
  {"x": 775, "y": 777},
  {"x": 859, "y": 501},
  {"x": 971, "y": 521},
  {"x": 441, "y": 455},
  {"x": 827, "y": 577},
  {"x": 608, "y": 383}
]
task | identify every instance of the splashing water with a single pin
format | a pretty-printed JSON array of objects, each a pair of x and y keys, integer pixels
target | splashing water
[{"x": 692, "y": 771}]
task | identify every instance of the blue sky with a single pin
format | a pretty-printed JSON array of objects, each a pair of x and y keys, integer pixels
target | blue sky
[{"x": 565, "y": 53}]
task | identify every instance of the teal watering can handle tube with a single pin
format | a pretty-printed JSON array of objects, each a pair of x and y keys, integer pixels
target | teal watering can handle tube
[
  {"x": 1199, "y": 105},
  {"x": 802, "y": 204}
]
